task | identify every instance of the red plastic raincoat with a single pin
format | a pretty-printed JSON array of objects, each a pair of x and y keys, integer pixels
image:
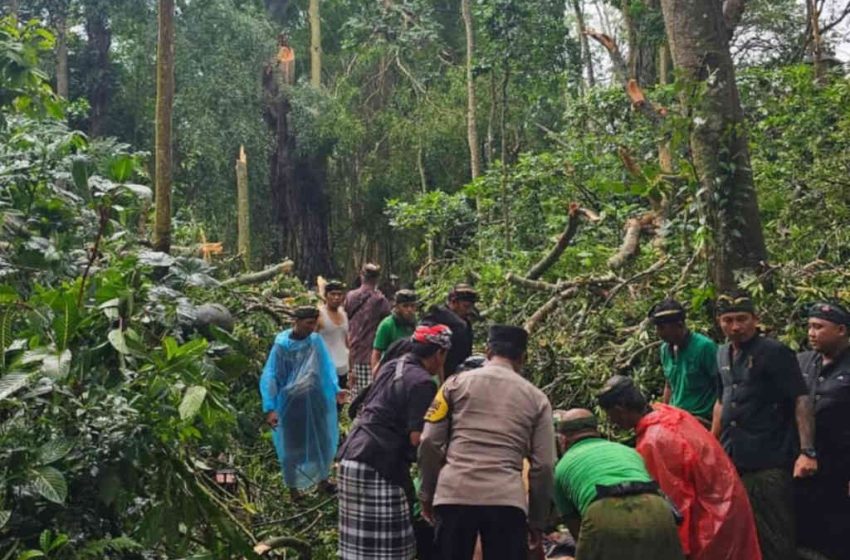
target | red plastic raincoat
[{"x": 694, "y": 471}]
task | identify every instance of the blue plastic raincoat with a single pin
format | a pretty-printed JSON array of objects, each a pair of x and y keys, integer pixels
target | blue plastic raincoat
[{"x": 299, "y": 382}]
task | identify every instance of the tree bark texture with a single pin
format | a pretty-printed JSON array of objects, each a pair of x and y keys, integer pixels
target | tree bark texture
[
  {"x": 162, "y": 143},
  {"x": 643, "y": 44},
  {"x": 315, "y": 45},
  {"x": 586, "y": 57},
  {"x": 298, "y": 184},
  {"x": 471, "y": 129},
  {"x": 99, "y": 88},
  {"x": 62, "y": 55},
  {"x": 699, "y": 44},
  {"x": 243, "y": 208}
]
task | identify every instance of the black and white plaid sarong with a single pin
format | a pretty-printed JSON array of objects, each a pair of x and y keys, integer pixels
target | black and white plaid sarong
[
  {"x": 374, "y": 516},
  {"x": 362, "y": 378}
]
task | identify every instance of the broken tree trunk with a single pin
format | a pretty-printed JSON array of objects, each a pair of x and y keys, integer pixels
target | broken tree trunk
[
  {"x": 298, "y": 181},
  {"x": 631, "y": 240},
  {"x": 243, "y": 209},
  {"x": 256, "y": 277}
]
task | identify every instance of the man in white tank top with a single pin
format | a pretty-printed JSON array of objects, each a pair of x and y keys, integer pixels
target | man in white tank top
[{"x": 333, "y": 328}]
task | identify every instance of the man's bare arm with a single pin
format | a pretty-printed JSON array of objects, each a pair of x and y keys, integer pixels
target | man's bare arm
[
  {"x": 804, "y": 411},
  {"x": 715, "y": 419}
]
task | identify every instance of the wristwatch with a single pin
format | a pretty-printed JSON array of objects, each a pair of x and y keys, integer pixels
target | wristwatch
[{"x": 809, "y": 452}]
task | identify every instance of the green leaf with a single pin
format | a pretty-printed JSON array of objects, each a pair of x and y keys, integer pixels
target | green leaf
[
  {"x": 44, "y": 540},
  {"x": 27, "y": 554},
  {"x": 116, "y": 339},
  {"x": 140, "y": 191},
  {"x": 12, "y": 383},
  {"x": 80, "y": 172},
  {"x": 7, "y": 315},
  {"x": 192, "y": 401},
  {"x": 121, "y": 168},
  {"x": 50, "y": 483},
  {"x": 170, "y": 347},
  {"x": 54, "y": 450},
  {"x": 5, "y": 515}
]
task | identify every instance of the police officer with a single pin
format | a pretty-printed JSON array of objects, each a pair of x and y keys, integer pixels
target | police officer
[
  {"x": 481, "y": 426},
  {"x": 823, "y": 504},
  {"x": 763, "y": 409}
]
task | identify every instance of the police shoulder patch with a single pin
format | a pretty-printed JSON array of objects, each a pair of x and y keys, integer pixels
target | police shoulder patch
[{"x": 439, "y": 408}]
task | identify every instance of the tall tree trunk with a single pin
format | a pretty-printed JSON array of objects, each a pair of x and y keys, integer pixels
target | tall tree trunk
[
  {"x": 100, "y": 81},
  {"x": 471, "y": 129},
  {"x": 315, "y": 45},
  {"x": 62, "y": 55},
  {"x": 643, "y": 47},
  {"x": 700, "y": 46},
  {"x": 298, "y": 182},
  {"x": 162, "y": 144},
  {"x": 817, "y": 42},
  {"x": 243, "y": 208},
  {"x": 586, "y": 56}
]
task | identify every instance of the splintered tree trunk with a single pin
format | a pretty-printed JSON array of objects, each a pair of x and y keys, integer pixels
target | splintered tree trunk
[
  {"x": 699, "y": 44},
  {"x": 243, "y": 208},
  {"x": 97, "y": 56},
  {"x": 298, "y": 181},
  {"x": 62, "y": 56},
  {"x": 162, "y": 144},
  {"x": 471, "y": 129},
  {"x": 315, "y": 45}
]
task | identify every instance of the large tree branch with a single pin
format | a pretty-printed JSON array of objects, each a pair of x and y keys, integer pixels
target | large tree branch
[
  {"x": 570, "y": 230},
  {"x": 547, "y": 308},
  {"x": 621, "y": 71}
]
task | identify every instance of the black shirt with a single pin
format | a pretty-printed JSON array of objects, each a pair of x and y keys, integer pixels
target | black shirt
[
  {"x": 829, "y": 386},
  {"x": 395, "y": 406},
  {"x": 758, "y": 389},
  {"x": 461, "y": 335}
]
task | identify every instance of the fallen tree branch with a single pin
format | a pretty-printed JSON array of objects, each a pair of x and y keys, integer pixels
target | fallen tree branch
[
  {"x": 631, "y": 239},
  {"x": 649, "y": 271},
  {"x": 547, "y": 308},
  {"x": 625, "y": 363},
  {"x": 305, "y": 551},
  {"x": 531, "y": 284},
  {"x": 575, "y": 214},
  {"x": 256, "y": 277}
]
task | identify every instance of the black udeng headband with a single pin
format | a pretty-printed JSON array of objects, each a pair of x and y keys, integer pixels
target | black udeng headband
[
  {"x": 577, "y": 425},
  {"x": 831, "y": 312}
]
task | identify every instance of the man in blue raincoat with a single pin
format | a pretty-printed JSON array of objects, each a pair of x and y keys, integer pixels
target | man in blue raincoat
[{"x": 300, "y": 389}]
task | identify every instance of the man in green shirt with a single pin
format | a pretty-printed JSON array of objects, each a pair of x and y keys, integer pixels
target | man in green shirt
[
  {"x": 607, "y": 498},
  {"x": 395, "y": 326},
  {"x": 689, "y": 360}
]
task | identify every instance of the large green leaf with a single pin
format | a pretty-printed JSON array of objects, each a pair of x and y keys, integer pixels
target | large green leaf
[
  {"x": 121, "y": 168},
  {"x": 57, "y": 366},
  {"x": 50, "y": 483},
  {"x": 192, "y": 401},
  {"x": 116, "y": 339},
  {"x": 28, "y": 554},
  {"x": 7, "y": 314},
  {"x": 11, "y": 383},
  {"x": 54, "y": 450}
]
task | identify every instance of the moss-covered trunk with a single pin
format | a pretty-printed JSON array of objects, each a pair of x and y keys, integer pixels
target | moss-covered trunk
[{"x": 699, "y": 42}]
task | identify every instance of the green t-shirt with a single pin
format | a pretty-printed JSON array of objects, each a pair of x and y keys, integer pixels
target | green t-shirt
[
  {"x": 691, "y": 373},
  {"x": 390, "y": 330},
  {"x": 592, "y": 462}
]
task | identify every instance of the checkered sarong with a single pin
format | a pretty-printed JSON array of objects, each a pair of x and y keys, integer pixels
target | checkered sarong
[
  {"x": 362, "y": 378},
  {"x": 374, "y": 516}
]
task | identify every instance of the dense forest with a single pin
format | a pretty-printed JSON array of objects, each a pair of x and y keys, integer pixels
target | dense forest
[{"x": 576, "y": 161}]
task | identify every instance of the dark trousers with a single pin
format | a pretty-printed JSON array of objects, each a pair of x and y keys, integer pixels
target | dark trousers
[
  {"x": 503, "y": 530},
  {"x": 771, "y": 497},
  {"x": 823, "y": 515}
]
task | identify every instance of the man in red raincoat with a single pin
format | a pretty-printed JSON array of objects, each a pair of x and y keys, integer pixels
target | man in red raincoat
[{"x": 692, "y": 469}]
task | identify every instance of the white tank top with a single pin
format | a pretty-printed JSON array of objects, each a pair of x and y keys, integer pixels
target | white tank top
[{"x": 334, "y": 337}]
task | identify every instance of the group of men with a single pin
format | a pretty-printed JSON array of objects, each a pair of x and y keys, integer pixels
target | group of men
[{"x": 748, "y": 455}]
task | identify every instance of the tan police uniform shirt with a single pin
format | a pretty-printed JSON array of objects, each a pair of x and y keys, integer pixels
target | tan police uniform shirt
[{"x": 480, "y": 427}]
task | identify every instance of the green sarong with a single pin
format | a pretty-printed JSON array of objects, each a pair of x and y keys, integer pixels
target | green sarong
[
  {"x": 771, "y": 497},
  {"x": 629, "y": 528}
]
